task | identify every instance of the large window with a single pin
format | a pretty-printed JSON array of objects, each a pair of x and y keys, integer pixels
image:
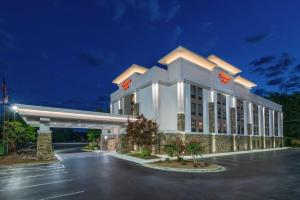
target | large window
[
  {"x": 276, "y": 123},
  {"x": 267, "y": 121},
  {"x": 221, "y": 108},
  {"x": 255, "y": 119},
  {"x": 196, "y": 109},
  {"x": 240, "y": 116}
]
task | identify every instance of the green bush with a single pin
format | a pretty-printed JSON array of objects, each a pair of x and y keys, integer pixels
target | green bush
[
  {"x": 295, "y": 143},
  {"x": 170, "y": 150},
  {"x": 145, "y": 152},
  {"x": 195, "y": 149}
]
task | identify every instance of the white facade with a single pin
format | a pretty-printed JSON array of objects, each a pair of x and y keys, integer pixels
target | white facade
[{"x": 161, "y": 94}]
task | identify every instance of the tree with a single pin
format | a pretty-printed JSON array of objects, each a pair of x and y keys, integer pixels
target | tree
[
  {"x": 195, "y": 149},
  {"x": 142, "y": 132},
  {"x": 19, "y": 133},
  {"x": 93, "y": 135}
]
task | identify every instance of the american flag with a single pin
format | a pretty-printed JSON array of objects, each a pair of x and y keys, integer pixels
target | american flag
[{"x": 4, "y": 99}]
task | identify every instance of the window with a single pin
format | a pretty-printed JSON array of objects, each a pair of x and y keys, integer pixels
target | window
[
  {"x": 193, "y": 109},
  {"x": 255, "y": 119},
  {"x": 276, "y": 123},
  {"x": 193, "y": 91},
  {"x": 221, "y": 108},
  {"x": 196, "y": 109},
  {"x": 200, "y": 93},
  {"x": 240, "y": 116},
  {"x": 200, "y": 110},
  {"x": 267, "y": 122},
  {"x": 193, "y": 127}
]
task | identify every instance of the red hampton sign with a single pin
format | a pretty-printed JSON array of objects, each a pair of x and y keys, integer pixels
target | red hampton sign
[
  {"x": 224, "y": 78},
  {"x": 126, "y": 84}
]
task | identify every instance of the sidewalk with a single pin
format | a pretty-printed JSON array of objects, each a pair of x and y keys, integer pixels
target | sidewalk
[{"x": 163, "y": 157}]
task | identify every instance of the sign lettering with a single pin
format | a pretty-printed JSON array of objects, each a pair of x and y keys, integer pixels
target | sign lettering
[
  {"x": 126, "y": 84},
  {"x": 224, "y": 78}
]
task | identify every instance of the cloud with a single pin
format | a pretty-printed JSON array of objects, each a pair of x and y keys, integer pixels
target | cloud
[
  {"x": 7, "y": 41},
  {"x": 172, "y": 12},
  {"x": 150, "y": 10},
  {"x": 283, "y": 63},
  {"x": 120, "y": 10},
  {"x": 260, "y": 92},
  {"x": 175, "y": 34},
  {"x": 296, "y": 68},
  {"x": 93, "y": 58},
  {"x": 206, "y": 26},
  {"x": 273, "y": 73},
  {"x": 258, "y": 38},
  {"x": 262, "y": 61},
  {"x": 276, "y": 81}
]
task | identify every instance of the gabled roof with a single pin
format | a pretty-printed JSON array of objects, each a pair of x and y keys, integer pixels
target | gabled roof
[
  {"x": 128, "y": 72},
  {"x": 181, "y": 52},
  {"x": 244, "y": 82},
  {"x": 224, "y": 65}
]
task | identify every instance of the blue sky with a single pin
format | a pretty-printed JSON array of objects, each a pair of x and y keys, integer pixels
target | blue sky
[{"x": 66, "y": 53}]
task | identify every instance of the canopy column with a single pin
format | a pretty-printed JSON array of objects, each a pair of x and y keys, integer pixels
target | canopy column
[{"x": 44, "y": 141}]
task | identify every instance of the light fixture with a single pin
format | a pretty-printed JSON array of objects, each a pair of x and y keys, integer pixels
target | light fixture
[{"x": 15, "y": 108}]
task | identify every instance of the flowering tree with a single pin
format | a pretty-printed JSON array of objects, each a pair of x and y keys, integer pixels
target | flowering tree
[{"x": 142, "y": 132}]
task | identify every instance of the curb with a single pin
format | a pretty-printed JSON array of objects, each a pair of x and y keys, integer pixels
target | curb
[{"x": 217, "y": 169}]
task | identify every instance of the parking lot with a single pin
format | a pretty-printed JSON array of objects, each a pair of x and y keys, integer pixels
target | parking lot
[{"x": 264, "y": 175}]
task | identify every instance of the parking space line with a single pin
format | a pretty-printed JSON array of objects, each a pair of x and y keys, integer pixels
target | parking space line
[
  {"x": 36, "y": 185},
  {"x": 63, "y": 195},
  {"x": 32, "y": 176},
  {"x": 30, "y": 170}
]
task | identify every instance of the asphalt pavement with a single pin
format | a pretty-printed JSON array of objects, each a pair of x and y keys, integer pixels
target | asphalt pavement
[{"x": 92, "y": 175}]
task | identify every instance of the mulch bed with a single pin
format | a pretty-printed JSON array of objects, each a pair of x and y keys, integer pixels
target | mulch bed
[
  {"x": 186, "y": 164},
  {"x": 137, "y": 155}
]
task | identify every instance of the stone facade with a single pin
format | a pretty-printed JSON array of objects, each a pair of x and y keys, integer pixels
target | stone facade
[
  {"x": 242, "y": 143},
  {"x": 180, "y": 122},
  {"x": 211, "y": 114},
  {"x": 233, "y": 120},
  {"x": 211, "y": 143},
  {"x": 224, "y": 143},
  {"x": 44, "y": 146}
]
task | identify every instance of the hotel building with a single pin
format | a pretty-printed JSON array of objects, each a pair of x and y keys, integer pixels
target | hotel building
[{"x": 198, "y": 97}]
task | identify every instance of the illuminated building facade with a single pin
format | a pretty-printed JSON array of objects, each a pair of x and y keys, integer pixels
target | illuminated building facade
[{"x": 203, "y": 98}]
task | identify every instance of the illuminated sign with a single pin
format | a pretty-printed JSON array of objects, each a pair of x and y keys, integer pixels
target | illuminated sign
[
  {"x": 126, "y": 84},
  {"x": 224, "y": 78}
]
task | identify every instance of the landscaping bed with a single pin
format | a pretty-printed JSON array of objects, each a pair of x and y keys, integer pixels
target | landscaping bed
[
  {"x": 186, "y": 164},
  {"x": 139, "y": 155}
]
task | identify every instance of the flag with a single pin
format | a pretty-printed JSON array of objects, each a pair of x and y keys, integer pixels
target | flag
[{"x": 4, "y": 92}]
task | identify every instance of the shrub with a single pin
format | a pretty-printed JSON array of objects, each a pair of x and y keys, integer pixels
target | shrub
[
  {"x": 295, "y": 143},
  {"x": 195, "y": 149},
  {"x": 168, "y": 160},
  {"x": 145, "y": 152},
  {"x": 170, "y": 150}
]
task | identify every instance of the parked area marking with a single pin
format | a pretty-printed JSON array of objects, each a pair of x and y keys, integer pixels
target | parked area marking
[
  {"x": 63, "y": 195},
  {"x": 36, "y": 185},
  {"x": 31, "y": 176}
]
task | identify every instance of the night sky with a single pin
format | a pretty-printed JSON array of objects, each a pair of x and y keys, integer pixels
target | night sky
[{"x": 66, "y": 53}]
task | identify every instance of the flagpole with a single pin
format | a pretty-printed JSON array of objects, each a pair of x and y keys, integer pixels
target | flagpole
[{"x": 3, "y": 128}]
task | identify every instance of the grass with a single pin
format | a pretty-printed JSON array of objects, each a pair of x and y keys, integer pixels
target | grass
[
  {"x": 186, "y": 164},
  {"x": 138, "y": 155}
]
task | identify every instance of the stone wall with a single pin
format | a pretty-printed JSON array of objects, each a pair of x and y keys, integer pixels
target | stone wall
[
  {"x": 257, "y": 142},
  {"x": 180, "y": 122},
  {"x": 44, "y": 147},
  {"x": 211, "y": 114},
  {"x": 233, "y": 120},
  {"x": 224, "y": 143},
  {"x": 204, "y": 139},
  {"x": 242, "y": 142},
  {"x": 269, "y": 142}
]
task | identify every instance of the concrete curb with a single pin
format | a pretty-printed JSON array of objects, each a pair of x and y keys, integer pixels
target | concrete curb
[
  {"x": 162, "y": 157},
  {"x": 217, "y": 169}
]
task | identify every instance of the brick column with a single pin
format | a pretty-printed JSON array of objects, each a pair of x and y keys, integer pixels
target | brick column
[
  {"x": 44, "y": 145},
  {"x": 211, "y": 116},
  {"x": 180, "y": 122}
]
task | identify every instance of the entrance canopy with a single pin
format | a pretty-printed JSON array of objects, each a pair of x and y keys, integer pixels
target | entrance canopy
[{"x": 49, "y": 117}]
